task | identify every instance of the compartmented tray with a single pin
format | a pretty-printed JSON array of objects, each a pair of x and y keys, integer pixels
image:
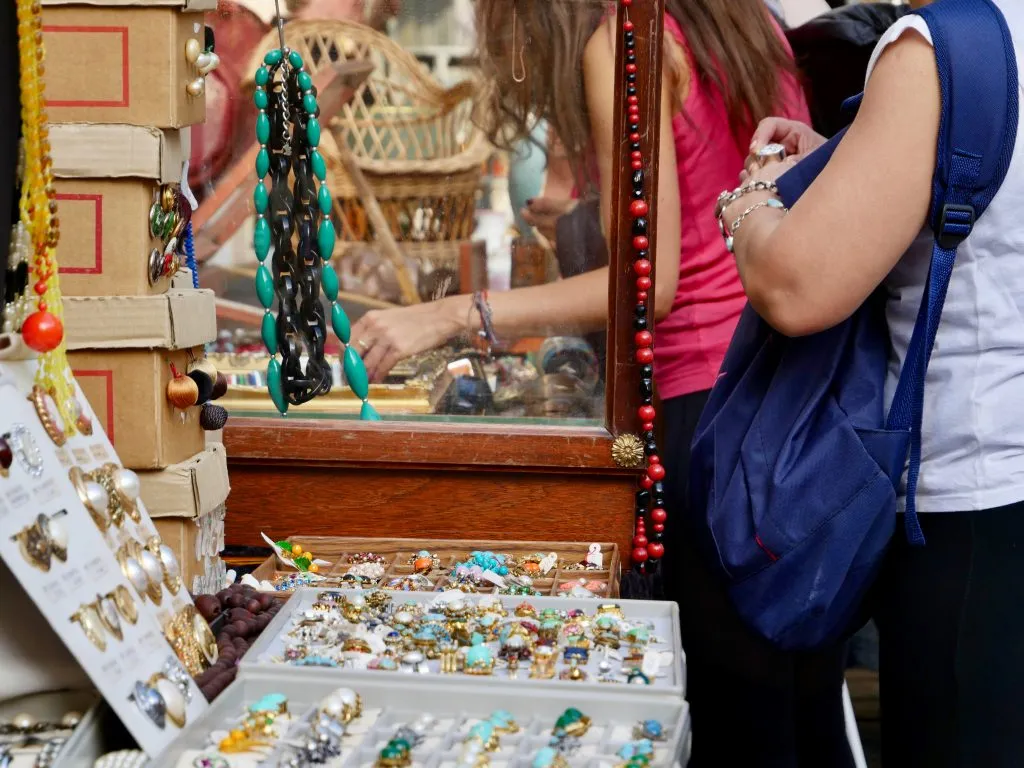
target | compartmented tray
[
  {"x": 397, "y": 554},
  {"x": 660, "y": 617},
  {"x": 389, "y": 703}
]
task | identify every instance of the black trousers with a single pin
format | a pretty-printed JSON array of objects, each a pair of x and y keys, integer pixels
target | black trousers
[
  {"x": 752, "y": 705},
  {"x": 951, "y": 632}
]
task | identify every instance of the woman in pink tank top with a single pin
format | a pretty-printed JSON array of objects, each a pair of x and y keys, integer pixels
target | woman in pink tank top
[{"x": 727, "y": 66}]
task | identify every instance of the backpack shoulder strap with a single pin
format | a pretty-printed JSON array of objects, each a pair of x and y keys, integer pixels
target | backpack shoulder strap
[{"x": 977, "y": 132}]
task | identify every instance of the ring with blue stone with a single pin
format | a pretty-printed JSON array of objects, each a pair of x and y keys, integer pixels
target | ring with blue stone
[{"x": 652, "y": 730}]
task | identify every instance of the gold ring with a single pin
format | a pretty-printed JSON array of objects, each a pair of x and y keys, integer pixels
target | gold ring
[
  {"x": 133, "y": 571},
  {"x": 169, "y": 563},
  {"x": 151, "y": 566},
  {"x": 86, "y": 618},
  {"x": 204, "y": 637},
  {"x": 47, "y": 416},
  {"x": 94, "y": 497},
  {"x": 106, "y": 610},
  {"x": 125, "y": 603}
]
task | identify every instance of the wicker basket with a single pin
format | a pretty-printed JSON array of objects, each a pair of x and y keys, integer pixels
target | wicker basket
[{"x": 414, "y": 141}]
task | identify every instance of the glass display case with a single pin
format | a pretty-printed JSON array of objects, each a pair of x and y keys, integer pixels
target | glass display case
[{"x": 440, "y": 214}]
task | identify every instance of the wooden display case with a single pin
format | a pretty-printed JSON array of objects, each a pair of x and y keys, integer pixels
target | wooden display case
[{"x": 459, "y": 478}]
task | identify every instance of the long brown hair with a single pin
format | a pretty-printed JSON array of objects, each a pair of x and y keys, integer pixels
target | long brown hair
[{"x": 735, "y": 46}]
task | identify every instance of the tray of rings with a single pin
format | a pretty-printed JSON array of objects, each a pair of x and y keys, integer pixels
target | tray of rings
[
  {"x": 432, "y": 638},
  {"x": 498, "y": 567},
  {"x": 284, "y": 721}
]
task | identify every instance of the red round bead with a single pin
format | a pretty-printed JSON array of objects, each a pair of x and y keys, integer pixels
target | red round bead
[
  {"x": 638, "y": 208},
  {"x": 646, "y": 483},
  {"x": 636, "y": 154},
  {"x": 641, "y": 295},
  {"x": 641, "y": 243},
  {"x": 640, "y": 555},
  {"x": 647, "y": 426},
  {"x": 42, "y": 331},
  {"x": 643, "y": 283},
  {"x": 656, "y": 549},
  {"x": 627, "y": 25},
  {"x": 633, "y": 109},
  {"x": 654, "y": 459},
  {"x": 632, "y": 99},
  {"x": 634, "y": 137},
  {"x": 637, "y": 165},
  {"x": 631, "y": 69},
  {"x": 40, "y": 287},
  {"x": 659, "y": 527},
  {"x": 646, "y": 413},
  {"x": 645, "y": 356},
  {"x": 658, "y": 515},
  {"x": 644, "y": 338},
  {"x": 656, "y": 472},
  {"x": 639, "y": 540},
  {"x": 642, "y": 267}
]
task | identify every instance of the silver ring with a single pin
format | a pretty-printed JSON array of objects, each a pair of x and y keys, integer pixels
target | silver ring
[
  {"x": 151, "y": 703},
  {"x": 768, "y": 152}
]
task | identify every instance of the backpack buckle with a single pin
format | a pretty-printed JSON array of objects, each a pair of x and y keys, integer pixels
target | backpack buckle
[{"x": 956, "y": 222}]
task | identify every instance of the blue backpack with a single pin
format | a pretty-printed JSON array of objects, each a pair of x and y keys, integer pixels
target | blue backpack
[{"x": 795, "y": 465}]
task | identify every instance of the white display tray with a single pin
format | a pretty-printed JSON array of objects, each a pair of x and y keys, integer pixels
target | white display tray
[
  {"x": 670, "y": 682},
  {"x": 390, "y": 702}
]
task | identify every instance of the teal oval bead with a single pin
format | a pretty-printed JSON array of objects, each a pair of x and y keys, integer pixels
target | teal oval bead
[
  {"x": 319, "y": 166},
  {"x": 340, "y": 323},
  {"x": 261, "y": 238},
  {"x": 329, "y": 281},
  {"x": 275, "y": 386},
  {"x": 260, "y": 198},
  {"x": 262, "y": 76},
  {"x": 325, "y": 238},
  {"x": 262, "y": 162},
  {"x": 273, "y": 57},
  {"x": 265, "y": 287},
  {"x": 313, "y": 132},
  {"x": 309, "y": 103},
  {"x": 355, "y": 373},
  {"x": 323, "y": 197},
  {"x": 259, "y": 98},
  {"x": 268, "y": 332},
  {"x": 262, "y": 128},
  {"x": 305, "y": 81},
  {"x": 295, "y": 60}
]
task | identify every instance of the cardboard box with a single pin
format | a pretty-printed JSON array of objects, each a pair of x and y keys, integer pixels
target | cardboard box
[
  {"x": 181, "y": 535},
  {"x": 128, "y": 391},
  {"x": 189, "y": 489},
  {"x": 107, "y": 178},
  {"x": 178, "y": 319},
  {"x": 121, "y": 65}
]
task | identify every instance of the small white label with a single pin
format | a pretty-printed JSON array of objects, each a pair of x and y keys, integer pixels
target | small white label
[{"x": 186, "y": 190}]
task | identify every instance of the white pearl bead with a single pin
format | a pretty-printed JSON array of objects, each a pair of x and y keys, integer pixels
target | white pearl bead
[
  {"x": 197, "y": 87},
  {"x": 193, "y": 50},
  {"x": 23, "y": 721},
  {"x": 136, "y": 575},
  {"x": 97, "y": 496},
  {"x": 127, "y": 482},
  {"x": 172, "y": 698},
  {"x": 57, "y": 532},
  {"x": 154, "y": 571},
  {"x": 170, "y": 562}
]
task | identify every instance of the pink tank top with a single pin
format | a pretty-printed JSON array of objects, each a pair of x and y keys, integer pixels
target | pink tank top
[{"x": 691, "y": 342}]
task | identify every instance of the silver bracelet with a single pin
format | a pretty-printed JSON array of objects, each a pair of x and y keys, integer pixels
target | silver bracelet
[
  {"x": 728, "y": 198},
  {"x": 769, "y": 203}
]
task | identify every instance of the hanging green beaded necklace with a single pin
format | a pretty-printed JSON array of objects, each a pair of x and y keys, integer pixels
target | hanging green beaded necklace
[{"x": 288, "y": 131}]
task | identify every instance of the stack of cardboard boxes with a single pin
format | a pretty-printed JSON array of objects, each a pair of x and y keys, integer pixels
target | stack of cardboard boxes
[{"x": 121, "y": 86}]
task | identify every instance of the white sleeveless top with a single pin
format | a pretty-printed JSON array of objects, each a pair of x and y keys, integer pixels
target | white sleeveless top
[{"x": 973, "y": 427}]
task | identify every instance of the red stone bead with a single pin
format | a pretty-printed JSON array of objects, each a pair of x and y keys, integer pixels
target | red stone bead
[
  {"x": 656, "y": 549},
  {"x": 642, "y": 267},
  {"x": 641, "y": 295},
  {"x": 656, "y": 472},
  {"x": 658, "y": 515},
  {"x": 646, "y": 413},
  {"x": 647, "y": 426},
  {"x": 7, "y": 457},
  {"x": 640, "y": 555},
  {"x": 645, "y": 356},
  {"x": 659, "y": 527},
  {"x": 632, "y": 99},
  {"x": 654, "y": 459},
  {"x": 634, "y": 137},
  {"x": 638, "y": 208},
  {"x": 636, "y": 154},
  {"x": 646, "y": 483},
  {"x": 644, "y": 338},
  {"x": 637, "y": 165},
  {"x": 633, "y": 109},
  {"x": 631, "y": 69},
  {"x": 641, "y": 243},
  {"x": 40, "y": 287},
  {"x": 42, "y": 331},
  {"x": 639, "y": 540},
  {"x": 643, "y": 283}
]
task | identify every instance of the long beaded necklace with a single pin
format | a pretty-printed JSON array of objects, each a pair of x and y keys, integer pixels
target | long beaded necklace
[
  {"x": 650, "y": 498},
  {"x": 42, "y": 330},
  {"x": 288, "y": 131}
]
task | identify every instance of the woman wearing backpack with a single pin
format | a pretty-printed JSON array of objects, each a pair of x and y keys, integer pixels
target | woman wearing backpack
[{"x": 949, "y": 613}]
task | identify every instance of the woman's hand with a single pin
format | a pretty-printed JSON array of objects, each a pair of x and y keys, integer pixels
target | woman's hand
[
  {"x": 387, "y": 336},
  {"x": 798, "y": 138},
  {"x": 543, "y": 213}
]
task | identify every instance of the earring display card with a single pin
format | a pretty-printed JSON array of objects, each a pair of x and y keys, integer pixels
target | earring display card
[
  {"x": 349, "y": 635},
  {"x": 82, "y": 545},
  {"x": 444, "y": 718}
]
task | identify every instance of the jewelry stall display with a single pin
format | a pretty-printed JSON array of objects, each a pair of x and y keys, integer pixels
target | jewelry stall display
[
  {"x": 284, "y": 722},
  {"x": 571, "y": 642},
  {"x": 35, "y": 729},
  {"x": 288, "y": 131},
  {"x": 528, "y": 569}
]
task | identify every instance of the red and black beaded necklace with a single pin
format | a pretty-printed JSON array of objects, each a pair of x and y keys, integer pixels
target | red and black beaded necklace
[{"x": 650, "y": 497}]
